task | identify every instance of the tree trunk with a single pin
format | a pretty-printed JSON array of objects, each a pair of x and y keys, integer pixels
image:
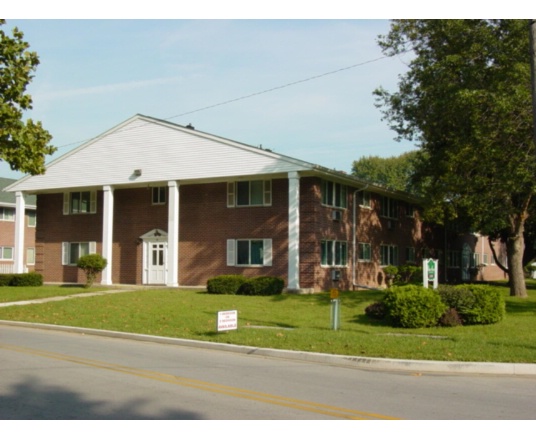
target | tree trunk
[{"x": 515, "y": 246}]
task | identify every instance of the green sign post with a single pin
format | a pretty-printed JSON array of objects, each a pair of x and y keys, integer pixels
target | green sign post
[{"x": 430, "y": 272}]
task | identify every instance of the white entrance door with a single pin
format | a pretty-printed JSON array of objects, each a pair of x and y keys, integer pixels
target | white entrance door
[{"x": 156, "y": 263}]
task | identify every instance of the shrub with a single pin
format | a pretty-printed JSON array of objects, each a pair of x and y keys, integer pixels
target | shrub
[
  {"x": 21, "y": 279},
  {"x": 225, "y": 284},
  {"x": 376, "y": 310},
  {"x": 92, "y": 265},
  {"x": 413, "y": 306},
  {"x": 262, "y": 286},
  {"x": 476, "y": 304},
  {"x": 408, "y": 273},
  {"x": 450, "y": 318},
  {"x": 26, "y": 279}
]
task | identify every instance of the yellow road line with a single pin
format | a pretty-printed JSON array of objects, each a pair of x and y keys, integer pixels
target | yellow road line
[{"x": 303, "y": 405}]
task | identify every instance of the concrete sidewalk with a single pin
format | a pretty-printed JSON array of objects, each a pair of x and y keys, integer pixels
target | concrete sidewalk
[{"x": 376, "y": 364}]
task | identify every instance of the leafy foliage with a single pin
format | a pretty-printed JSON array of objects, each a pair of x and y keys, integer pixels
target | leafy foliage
[
  {"x": 92, "y": 265},
  {"x": 466, "y": 101},
  {"x": 23, "y": 145},
  {"x": 392, "y": 172},
  {"x": 262, "y": 286},
  {"x": 21, "y": 279},
  {"x": 413, "y": 306},
  {"x": 225, "y": 284}
]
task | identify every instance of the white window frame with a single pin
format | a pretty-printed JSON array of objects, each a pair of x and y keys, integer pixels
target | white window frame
[
  {"x": 2, "y": 253},
  {"x": 365, "y": 252},
  {"x": 8, "y": 218},
  {"x": 68, "y": 203},
  {"x": 335, "y": 253},
  {"x": 232, "y": 252},
  {"x": 364, "y": 199},
  {"x": 159, "y": 195},
  {"x": 30, "y": 256},
  {"x": 66, "y": 251},
  {"x": 232, "y": 193},
  {"x": 389, "y": 208},
  {"x": 334, "y": 194},
  {"x": 391, "y": 251}
]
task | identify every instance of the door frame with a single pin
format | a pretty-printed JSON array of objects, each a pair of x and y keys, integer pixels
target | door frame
[{"x": 153, "y": 237}]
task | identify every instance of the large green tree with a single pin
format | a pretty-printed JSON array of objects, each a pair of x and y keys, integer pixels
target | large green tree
[
  {"x": 393, "y": 172},
  {"x": 23, "y": 144},
  {"x": 466, "y": 101}
]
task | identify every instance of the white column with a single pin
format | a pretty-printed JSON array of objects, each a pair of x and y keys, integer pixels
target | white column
[
  {"x": 107, "y": 233},
  {"x": 20, "y": 216},
  {"x": 293, "y": 231},
  {"x": 173, "y": 235}
]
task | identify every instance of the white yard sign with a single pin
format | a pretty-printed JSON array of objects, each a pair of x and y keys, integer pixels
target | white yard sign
[{"x": 227, "y": 320}]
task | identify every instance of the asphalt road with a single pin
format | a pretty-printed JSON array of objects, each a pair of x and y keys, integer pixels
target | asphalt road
[{"x": 55, "y": 375}]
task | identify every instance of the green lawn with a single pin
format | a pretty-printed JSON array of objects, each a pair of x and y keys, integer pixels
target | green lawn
[{"x": 292, "y": 322}]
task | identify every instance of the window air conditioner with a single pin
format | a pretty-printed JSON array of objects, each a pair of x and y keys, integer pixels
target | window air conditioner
[
  {"x": 335, "y": 275},
  {"x": 336, "y": 216}
]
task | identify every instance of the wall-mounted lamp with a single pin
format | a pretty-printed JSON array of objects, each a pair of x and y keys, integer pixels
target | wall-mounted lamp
[{"x": 137, "y": 173}]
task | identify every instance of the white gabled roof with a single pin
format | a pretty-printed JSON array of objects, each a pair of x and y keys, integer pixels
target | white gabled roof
[{"x": 163, "y": 151}]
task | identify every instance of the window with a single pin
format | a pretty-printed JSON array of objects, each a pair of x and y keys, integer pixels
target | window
[
  {"x": 6, "y": 253},
  {"x": 84, "y": 202},
  {"x": 250, "y": 252},
  {"x": 475, "y": 260},
  {"x": 159, "y": 195},
  {"x": 410, "y": 210},
  {"x": 363, "y": 199},
  {"x": 365, "y": 252},
  {"x": 453, "y": 258},
  {"x": 389, "y": 207},
  {"x": 7, "y": 214},
  {"x": 30, "y": 256},
  {"x": 410, "y": 255},
  {"x": 333, "y": 253},
  {"x": 388, "y": 255},
  {"x": 32, "y": 219},
  {"x": 71, "y": 252},
  {"x": 249, "y": 193},
  {"x": 334, "y": 194}
]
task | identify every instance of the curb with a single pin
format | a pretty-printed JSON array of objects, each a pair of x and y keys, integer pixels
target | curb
[{"x": 363, "y": 363}]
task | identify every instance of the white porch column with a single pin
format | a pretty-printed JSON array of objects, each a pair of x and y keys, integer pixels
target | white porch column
[
  {"x": 293, "y": 231},
  {"x": 173, "y": 235},
  {"x": 107, "y": 233},
  {"x": 20, "y": 216}
]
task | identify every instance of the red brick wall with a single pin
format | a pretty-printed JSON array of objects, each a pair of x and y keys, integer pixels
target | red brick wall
[{"x": 7, "y": 237}]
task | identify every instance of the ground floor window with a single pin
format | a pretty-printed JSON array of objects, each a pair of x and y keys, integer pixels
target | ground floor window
[
  {"x": 365, "y": 252},
  {"x": 334, "y": 253},
  {"x": 6, "y": 253},
  {"x": 249, "y": 252},
  {"x": 389, "y": 255},
  {"x": 72, "y": 251},
  {"x": 30, "y": 256}
]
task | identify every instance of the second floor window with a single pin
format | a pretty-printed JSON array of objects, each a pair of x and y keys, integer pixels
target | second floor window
[
  {"x": 389, "y": 207},
  {"x": 7, "y": 214},
  {"x": 334, "y": 194},
  {"x": 83, "y": 202},
  {"x": 249, "y": 193}
]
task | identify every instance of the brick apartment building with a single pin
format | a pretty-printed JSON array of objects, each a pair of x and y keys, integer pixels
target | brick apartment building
[
  {"x": 170, "y": 205},
  {"x": 7, "y": 231}
]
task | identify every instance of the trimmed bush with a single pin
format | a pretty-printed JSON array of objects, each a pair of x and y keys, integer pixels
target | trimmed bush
[
  {"x": 376, "y": 310},
  {"x": 225, "y": 284},
  {"x": 476, "y": 304},
  {"x": 450, "y": 318},
  {"x": 26, "y": 279},
  {"x": 92, "y": 265},
  {"x": 262, "y": 286},
  {"x": 21, "y": 279},
  {"x": 413, "y": 306}
]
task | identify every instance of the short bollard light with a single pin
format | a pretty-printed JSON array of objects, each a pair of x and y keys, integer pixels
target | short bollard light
[{"x": 335, "y": 309}]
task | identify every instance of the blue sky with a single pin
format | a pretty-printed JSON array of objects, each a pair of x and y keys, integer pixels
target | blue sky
[{"x": 96, "y": 73}]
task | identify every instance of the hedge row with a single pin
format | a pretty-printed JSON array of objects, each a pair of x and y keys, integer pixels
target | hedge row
[
  {"x": 21, "y": 279},
  {"x": 241, "y": 285},
  {"x": 416, "y": 306}
]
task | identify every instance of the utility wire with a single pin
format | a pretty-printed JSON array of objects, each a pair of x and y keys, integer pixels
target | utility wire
[{"x": 311, "y": 78}]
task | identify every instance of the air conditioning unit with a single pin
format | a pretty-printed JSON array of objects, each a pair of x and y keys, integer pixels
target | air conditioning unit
[
  {"x": 335, "y": 275},
  {"x": 336, "y": 216}
]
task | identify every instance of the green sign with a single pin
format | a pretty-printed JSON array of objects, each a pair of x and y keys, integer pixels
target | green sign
[{"x": 431, "y": 270}]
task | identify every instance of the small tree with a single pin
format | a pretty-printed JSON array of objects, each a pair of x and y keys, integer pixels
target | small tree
[{"x": 92, "y": 265}]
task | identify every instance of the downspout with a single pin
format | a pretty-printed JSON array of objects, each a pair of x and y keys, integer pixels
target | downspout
[{"x": 354, "y": 238}]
